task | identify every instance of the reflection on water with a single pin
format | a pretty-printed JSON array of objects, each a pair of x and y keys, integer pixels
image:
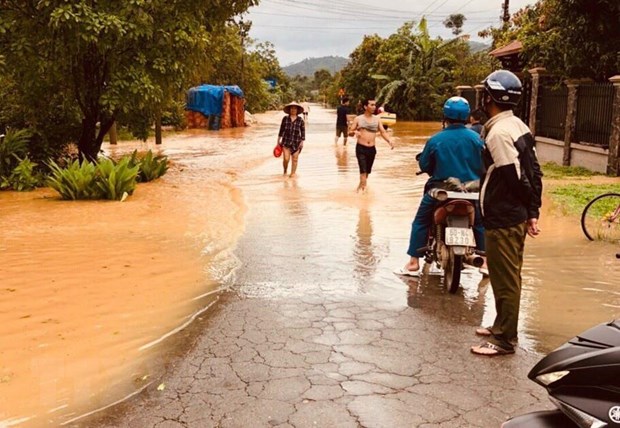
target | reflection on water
[{"x": 91, "y": 290}]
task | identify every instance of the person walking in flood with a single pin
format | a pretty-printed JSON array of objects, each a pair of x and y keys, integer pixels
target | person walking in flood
[
  {"x": 342, "y": 122},
  {"x": 366, "y": 126},
  {"x": 292, "y": 136},
  {"x": 510, "y": 199}
]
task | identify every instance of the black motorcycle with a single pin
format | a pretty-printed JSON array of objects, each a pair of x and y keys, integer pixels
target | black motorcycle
[{"x": 582, "y": 378}]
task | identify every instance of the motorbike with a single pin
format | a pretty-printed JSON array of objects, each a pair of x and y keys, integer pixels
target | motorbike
[
  {"x": 582, "y": 378},
  {"x": 451, "y": 240}
]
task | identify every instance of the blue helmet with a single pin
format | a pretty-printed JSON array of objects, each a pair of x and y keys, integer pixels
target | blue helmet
[{"x": 456, "y": 108}]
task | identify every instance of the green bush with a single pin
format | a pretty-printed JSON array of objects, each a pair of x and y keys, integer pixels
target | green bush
[
  {"x": 23, "y": 177},
  {"x": 76, "y": 181},
  {"x": 114, "y": 180},
  {"x": 13, "y": 148},
  {"x": 151, "y": 167}
]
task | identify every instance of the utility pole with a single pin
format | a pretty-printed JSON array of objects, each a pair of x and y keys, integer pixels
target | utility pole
[{"x": 505, "y": 13}]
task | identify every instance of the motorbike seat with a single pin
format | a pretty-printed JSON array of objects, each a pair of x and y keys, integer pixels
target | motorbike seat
[{"x": 456, "y": 207}]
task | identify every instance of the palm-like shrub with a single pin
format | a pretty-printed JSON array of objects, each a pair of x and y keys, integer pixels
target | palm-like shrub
[
  {"x": 114, "y": 180},
  {"x": 23, "y": 177},
  {"x": 13, "y": 148},
  {"x": 76, "y": 181},
  {"x": 151, "y": 167}
]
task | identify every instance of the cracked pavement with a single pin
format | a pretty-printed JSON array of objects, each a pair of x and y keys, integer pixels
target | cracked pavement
[{"x": 327, "y": 362}]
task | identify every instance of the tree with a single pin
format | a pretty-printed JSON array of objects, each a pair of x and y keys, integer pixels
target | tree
[
  {"x": 110, "y": 58},
  {"x": 571, "y": 38},
  {"x": 455, "y": 23},
  {"x": 362, "y": 65},
  {"x": 424, "y": 82}
]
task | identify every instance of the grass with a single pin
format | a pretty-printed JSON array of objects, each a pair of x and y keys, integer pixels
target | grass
[
  {"x": 572, "y": 195},
  {"x": 554, "y": 171}
]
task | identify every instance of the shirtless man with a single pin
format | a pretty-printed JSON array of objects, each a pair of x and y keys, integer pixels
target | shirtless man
[{"x": 365, "y": 127}]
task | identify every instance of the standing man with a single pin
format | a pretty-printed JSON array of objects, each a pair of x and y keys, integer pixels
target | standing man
[
  {"x": 510, "y": 199},
  {"x": 342, "y": 123},
  {"x": 306, "y": 107},
  {"x": 367, "y": 125}
]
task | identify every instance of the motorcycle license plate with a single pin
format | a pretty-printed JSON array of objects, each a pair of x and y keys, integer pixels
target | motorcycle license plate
[{"x": 460, "y": 236}]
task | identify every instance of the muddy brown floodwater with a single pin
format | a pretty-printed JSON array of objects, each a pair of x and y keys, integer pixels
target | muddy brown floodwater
[{"x": 92, "y": 292}]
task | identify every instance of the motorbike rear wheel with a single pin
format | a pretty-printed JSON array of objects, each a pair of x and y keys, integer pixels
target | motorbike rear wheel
[{"x": 452, "y": 273}]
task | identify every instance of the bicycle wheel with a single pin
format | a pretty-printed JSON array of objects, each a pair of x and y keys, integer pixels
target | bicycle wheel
[{"x": 600, "y": 219}]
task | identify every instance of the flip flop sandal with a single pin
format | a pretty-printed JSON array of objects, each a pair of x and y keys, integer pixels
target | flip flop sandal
[
  {"x": 489, "y": 349},
  {"x": 405, "y": 272},
  {"x": 484, "y": 331}
]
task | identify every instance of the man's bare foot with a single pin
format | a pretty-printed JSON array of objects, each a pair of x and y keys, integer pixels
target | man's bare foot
[
  {"x": 412, "y": 266},
  {"x": 292, "y": 175}
]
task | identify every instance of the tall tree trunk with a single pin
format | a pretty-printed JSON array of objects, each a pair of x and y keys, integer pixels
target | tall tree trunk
[{"x": 86, "y": 145}]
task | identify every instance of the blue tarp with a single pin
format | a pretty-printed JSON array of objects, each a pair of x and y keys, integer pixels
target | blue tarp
[{"x": 208, "y": 99}]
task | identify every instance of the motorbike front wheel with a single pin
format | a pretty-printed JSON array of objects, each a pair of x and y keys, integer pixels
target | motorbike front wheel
[{"x": 452, "y": 273}]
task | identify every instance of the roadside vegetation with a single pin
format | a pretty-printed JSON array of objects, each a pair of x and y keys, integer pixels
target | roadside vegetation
[{"x": 571, "y": 188}]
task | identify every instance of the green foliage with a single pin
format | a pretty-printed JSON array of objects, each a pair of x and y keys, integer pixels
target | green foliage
[
  {"x": 418, "y": 92},
  {"x": 572, "y": 198},
  {"x": 76, "y": 181},
  {"x": 88, "y": 180},
  {"x": 13, "y": 147},
  {"x": 105, "y": 60},
  {"x": 455, "y": 23},
  {"x": 552, "y": 170},
  {"x": 114, "y": 180},
  {"x": 570, "y": 38},
  {"x": 150, "y": 167},
  {"x": 23, "y": 177}
]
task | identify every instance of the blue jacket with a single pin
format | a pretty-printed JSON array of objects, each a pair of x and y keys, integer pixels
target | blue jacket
[{"x": 453, "y": 152}]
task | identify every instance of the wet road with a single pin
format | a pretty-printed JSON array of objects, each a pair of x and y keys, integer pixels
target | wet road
[
  {"x": 318, "y": 331},
  {"x": 315, "y": 329}
]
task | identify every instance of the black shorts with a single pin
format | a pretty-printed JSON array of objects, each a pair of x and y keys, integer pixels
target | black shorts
[
  {"x": 365, "y": 157},
  {"x": 342, "y": 130}
]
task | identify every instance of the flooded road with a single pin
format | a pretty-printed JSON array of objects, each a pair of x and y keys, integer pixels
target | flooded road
[{"x": 92, "y": 292}]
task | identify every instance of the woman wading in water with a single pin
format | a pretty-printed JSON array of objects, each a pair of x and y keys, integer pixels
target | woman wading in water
[
  {"x": 292, "y": 135},
  {"x": 366, "y": 127}
]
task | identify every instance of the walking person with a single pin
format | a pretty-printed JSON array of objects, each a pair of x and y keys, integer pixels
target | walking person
[
  {"x": 342, "y": 122},
  {"x": 306, "y": 108},
  {"x": 366, "y": 126},
  {"x": 292, "y": 136},
  {"x": 455, "y": 151},
  {"x": 511, "y": 199}
]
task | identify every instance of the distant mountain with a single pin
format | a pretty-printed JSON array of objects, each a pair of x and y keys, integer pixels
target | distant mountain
[
  {"x": 477, "y": 46},
  {"x": 308, "y": 66}
]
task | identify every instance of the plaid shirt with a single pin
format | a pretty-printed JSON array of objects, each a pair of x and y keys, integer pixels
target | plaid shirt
[{"x": 292, "y": 133}]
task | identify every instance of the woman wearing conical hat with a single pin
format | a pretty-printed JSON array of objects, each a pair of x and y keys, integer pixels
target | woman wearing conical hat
[{"x": 292, "y": 135}]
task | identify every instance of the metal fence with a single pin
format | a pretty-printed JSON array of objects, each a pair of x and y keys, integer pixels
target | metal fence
[
  {"x": 551, "y": 111},
  {"x": 594, "y": 113}
]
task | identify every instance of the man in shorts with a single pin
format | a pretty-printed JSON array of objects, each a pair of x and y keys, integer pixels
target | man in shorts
[
  {"x": 366, "y": 126},
  {"x": 342, "y": 123}
]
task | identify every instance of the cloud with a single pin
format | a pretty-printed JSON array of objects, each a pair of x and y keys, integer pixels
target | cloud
[{"x": 314, "y": 28}]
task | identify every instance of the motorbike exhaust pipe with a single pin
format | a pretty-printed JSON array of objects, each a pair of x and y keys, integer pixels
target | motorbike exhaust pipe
[{"x": 474, "y": 260}]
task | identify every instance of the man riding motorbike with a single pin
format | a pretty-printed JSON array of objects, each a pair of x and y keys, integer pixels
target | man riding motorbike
[{"x": 455, "y": 151}]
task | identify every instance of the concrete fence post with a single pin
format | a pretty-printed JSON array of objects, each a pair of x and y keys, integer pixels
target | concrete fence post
[
  {"x": 613, "y": 162},
  {"x": 479, "y": 92},
  {"x": 460, "y": 89},
  {"x": 571, "y": 119},
  {"x": 536, "y": 73}
]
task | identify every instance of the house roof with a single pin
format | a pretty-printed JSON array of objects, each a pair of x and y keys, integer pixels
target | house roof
[{"x": 511, "y": 48}]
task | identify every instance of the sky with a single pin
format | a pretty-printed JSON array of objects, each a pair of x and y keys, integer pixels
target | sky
[{"x": 302, "y": 29}]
